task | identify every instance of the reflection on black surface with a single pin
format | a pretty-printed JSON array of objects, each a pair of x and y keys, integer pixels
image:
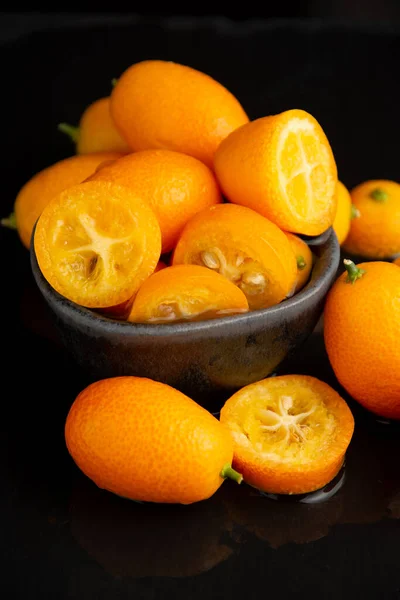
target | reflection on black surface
[{"x": 148, "y": 540}]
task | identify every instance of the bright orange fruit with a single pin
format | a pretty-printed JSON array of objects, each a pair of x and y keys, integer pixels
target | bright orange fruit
[
  {"x": 160, "y": 265},
  {"x": 39, "y": 190},
  {"x": 283, "y": 167},
  {"x": 186, "y": 292},
  {"x": 304, "y": 260},
  {"x": 96, "y": 243},
  {"x": 145, "y": 440},
  {"x": 397, "y": 261},
  {"x": 175, "y": 185},
  {"x": 291, "y": 433},
  {"x": 362, "y": 333},
  {"x": 245, "y": 247},
  {"x": 344, "y": 213},
  {"x": 163, "y": 104},
  {"x": 375, "y": 232},
  {"x": 96, "y": 131}
]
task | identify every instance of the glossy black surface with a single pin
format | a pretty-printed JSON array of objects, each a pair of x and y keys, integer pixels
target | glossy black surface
[{"x": 61, "y": 537}]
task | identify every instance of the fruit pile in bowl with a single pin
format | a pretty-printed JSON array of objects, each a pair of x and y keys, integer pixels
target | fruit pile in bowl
[
  {"x": 186, "y": 250},
  {"x": 183, "y": 241}
]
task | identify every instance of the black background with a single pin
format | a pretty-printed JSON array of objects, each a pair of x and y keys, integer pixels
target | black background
[{"x": 63, "y": 538}]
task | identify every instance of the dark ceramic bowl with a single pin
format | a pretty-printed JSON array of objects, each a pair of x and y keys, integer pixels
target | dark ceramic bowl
[{"x": 201, "y": 359}]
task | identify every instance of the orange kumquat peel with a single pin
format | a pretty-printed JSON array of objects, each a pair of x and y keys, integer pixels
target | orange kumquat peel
[{"x": 291, "y": 433}]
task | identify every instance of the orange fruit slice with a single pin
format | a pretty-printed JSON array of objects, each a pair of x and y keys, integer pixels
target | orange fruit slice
[
  {"x": 362, "y": 333},
  {"x": 39, "y": 190},
  {"x": 96, "y": 243},
  {"x": 283, "y": 167},
  {"x": 344, "y": 213},
  {"x": 96, "y": 131},
  {"x": 245, "y": 247},
  {"x": 291, "y": 433},
  {"x": 186, "y": 292},
  {"x": 175, "y": 185},
  {"x": 304, "y": 260},
  {"x": 163, "y": 104},
  {"x": 144, "y": 440},
  {"x": 375, "y": 232}
]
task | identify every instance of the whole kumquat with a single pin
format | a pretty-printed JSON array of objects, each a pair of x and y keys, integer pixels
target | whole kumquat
[
  {"x": 175, "y": 185},
  {"x": 344, "y": 213},
  {"x": 163, "y": 104},
  {"x": 304, "y": 260},
  {"x": 144, "y": 440},
  {"x": 375, "y": 233},
  {"x": 96, "y": 131},
  {"x": 39, "y": 190},
  {"x": 362, "y": 332}
]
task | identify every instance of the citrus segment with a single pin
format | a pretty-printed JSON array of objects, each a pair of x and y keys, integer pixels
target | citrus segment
[
  {"x": 291, "y": 433},
  {"x": 283, "y": 167},
  {"x": 245, "y": 247},
  {"x": 96, "y": 243},
  {"x": 186, "y": 292}
]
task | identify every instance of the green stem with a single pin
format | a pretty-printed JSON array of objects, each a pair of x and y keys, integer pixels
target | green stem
[
  {"x": 114, "y": 82},
  {"x": 379, "y": 195},
  {"x": 355, "y": 213},
  {"x": 228, "y": 472},
  {"x": 301, "y": 263},
  {"x": 70, "y": 130},
  {"x": 353, "y": 272},
  {"x": 10, "y": 222}
]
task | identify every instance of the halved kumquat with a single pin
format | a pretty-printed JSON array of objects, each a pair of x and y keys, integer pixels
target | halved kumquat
[
  {"x": 186, "y": 292},
  {"x": 96, "y": 243},
  {"x": 245, "y": 247},
  {"x": 290, "y": 432},
  {"x": 283, "y": 167}
]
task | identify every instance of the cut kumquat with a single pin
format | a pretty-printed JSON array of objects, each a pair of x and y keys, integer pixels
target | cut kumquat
[
  {"x": 186, "y": 292},
  {"x": 290, "y": 432},
  {"x": 245, "y": 247},
  {"x": 283, "y": 167},
  {"x": 96, "y": 243}
]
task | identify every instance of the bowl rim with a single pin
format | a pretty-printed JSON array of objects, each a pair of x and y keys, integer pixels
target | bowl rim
[{"x": 86, "y": 317}]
